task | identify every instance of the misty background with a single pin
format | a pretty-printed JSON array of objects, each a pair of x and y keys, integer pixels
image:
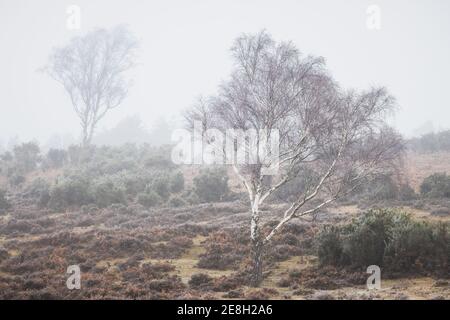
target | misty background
[{"x": 184, "y": 53}]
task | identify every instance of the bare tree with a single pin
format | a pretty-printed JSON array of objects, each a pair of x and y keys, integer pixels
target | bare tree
[
  {"x": 330, "y": 138},
  {"x": 92, "y": 70}
]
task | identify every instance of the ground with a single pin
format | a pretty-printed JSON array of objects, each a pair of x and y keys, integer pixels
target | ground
[
  {"x": 130, "y": 252},
  {"x": 138, "y": 253}
]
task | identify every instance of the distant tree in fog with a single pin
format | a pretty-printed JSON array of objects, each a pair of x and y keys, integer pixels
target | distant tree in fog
[
  {"x": 27, "y": 156},
  {"x": 132, "y": 130},
  {"x": 330, "y": 138},
  {"x": 59, "y": 141},
  {"x": 92, "y": 70},
  {"x": 128, "y": 130},
  {"x": 431, "y": 142},
  {"x": 161, "y": 131}
]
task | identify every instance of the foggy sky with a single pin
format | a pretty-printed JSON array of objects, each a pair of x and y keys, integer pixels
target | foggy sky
[{"x": 184, "y": 53}]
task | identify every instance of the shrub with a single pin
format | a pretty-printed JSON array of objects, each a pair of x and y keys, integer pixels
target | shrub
[
  {"x": 106, "y": 193},
  {"x": 166, "y": 284},
  {"x": 26, "y": 156},
  {"x": 261, "y": 294},
  {"x": 418, "y": 246},
  {"x": 4, "y": 203},
  {"x": 70, "y": 190},
  {"x": 177, "y": 182},
  {"x": 75, "y": 154},
  {"x": 56, "y": 158},
  {"x": 436, "y": 186},
  {"x": 191, "y": 197},
  {"x": 406, "y": 193},
  {"x": 211, "y": 185},
  {"x": 4, "y": 254},
  {"x": 39, "y": 189},
  {"x": 16, "y": 179},
  {"x": 367, "y": 236},
  {"x": 161, "y": 185},
  {"x": 330, "y": 246},
  {"x": 360, "y": 243},
  {"x": 149, "y": 199},
  {"x": 387, "y": 238},
  {"x": 156, "y": 270},
  {"x": 225, "y": 283},
  {"x": 159, "y": 158},
  {"x": 223, "y": 252},
  {"x": 7, "y": 156},
  {"x": 284, "y": 282},
  {"x": 176, "y": 201},
  {"x": 200, "y": 281},
  {"x": 382, "y": 188},
  {"x": 282, "y": 252},
  {"x": 133, "y": 182},
  {"x": 36, "y": 187},
  {"x": 233, "y": 294}
]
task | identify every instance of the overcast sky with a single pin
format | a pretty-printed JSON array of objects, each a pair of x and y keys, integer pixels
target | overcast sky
[{"x": 184, "y": 53}]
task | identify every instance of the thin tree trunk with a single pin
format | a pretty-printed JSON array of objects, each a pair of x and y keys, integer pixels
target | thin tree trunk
[
  {"x": 257, "y": 257},
  {"x": 85, "y": 141},
  {"x": 257, "y": 247}
]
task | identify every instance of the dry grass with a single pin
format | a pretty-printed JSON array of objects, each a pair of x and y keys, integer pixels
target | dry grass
[
  {"x": 114, "y": 238},
  {"x": 419, "y": 166},
  {"x": 185, "y": 266},
  {"x": 424, "y": 214}
]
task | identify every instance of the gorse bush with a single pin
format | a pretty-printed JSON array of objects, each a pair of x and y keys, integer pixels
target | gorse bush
[
  {"x": 387, "y": 238},
  {"x": 161, "y": 185},
  {"x": 39, "y": 189},
  {"x": 177, "y": 182},
  {"x": 69, "y": 191},
  {"x": 149, "y": 199},
  {"x": 36, "y": 188},
  {"x": 78, "y": 189},
  {"x": 191, "y": 197},
  {"x": 436, "y": 186},
  {"x": 26, "y": 156},
  {"x": 106, "y": 192},
  {"x": 110, "y": 175},
  {"x": 132, "y": 182},
  {"x": 176, "y": 201},
  {"x": 379, "y": 188},
  {"x": 366, "y": 238},
  {"x": 418, "y": 246},
  {"x": 406, "y": 193},
  {"x": 330, "y": 248},
  {"x": 159, "y": 158},
  {"x": 383, "y": 187},
  {"x": 200, "y": 281},
  {"x": 16, "y": 179},
  {"x": 4, "y": 203},
  {"x": 55, "y": 158},
  {"x": 211, "y": 185}
]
